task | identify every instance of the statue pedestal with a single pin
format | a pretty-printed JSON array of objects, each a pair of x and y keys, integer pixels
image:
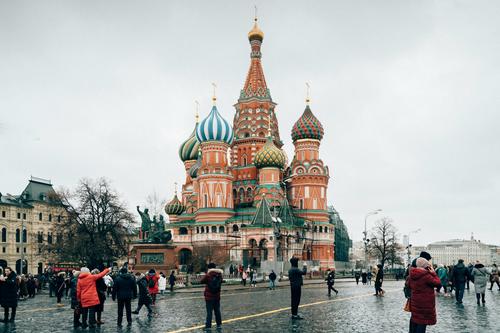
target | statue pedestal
[{"x": 161, "y": 257}]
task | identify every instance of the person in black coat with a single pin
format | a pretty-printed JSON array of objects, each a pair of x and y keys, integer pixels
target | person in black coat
[
  {"x": 460, "y": 275},
  {"x": 296, "y": 282},
  {"x": 171, "y": 281},
  {"x": 60, "y": 285},
  {"x": 124, "y": 289},
  {"x": 379, "y": 278},
  {"x": 75, "y": 305},
  {"x": 100, "y": 287},
  {"x": 330, "y": 281},
  {"x": 9, "y": 293},
  {"x": 144, "y": 296}
]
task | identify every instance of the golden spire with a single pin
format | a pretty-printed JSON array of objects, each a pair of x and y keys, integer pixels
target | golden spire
[
  {"x": 255, "y": 33},
  {"x": 214, "y": 97},
  {"x": 308, "y": 88},
  {"x": 197, "y": 115},
  {"x": 175, "y": 188}
]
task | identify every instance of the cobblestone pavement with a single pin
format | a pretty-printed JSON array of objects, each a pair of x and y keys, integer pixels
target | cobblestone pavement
[{"x": 354, "y": 309}]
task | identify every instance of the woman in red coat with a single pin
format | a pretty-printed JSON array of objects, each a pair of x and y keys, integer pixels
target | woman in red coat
[
  {"x": 86, "y": 294},
  {"x": 152, "y": 279},
  {"x": 422, "y": 281}
]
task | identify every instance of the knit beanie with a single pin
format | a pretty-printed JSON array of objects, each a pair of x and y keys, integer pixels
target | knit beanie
[{"x": 422, "y": 263}]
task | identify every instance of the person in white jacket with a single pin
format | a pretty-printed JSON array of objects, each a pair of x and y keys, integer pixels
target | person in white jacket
[{"x": 162, "y": 283}]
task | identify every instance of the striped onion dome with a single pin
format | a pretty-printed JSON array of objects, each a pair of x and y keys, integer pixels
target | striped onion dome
[
  {"x": 214, "y": 128},
  {"x": 193, "y": 171},
  {"x": 189, "y": 149},
  {"x": 269, "y": 156},
  {"x": 174, "y": 207},
  {"x": 307, "y": 127}
]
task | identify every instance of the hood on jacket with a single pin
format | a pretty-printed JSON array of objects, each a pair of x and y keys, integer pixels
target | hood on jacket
[
  {"x": 460, "y": 265},
  {"x": 215, "y": 270},
  {"x": 83, "y": 275},
  {"x": 125, "y": 276},
  {"x": 478, "y": 266},
  {"x": 417, "y": 273}
]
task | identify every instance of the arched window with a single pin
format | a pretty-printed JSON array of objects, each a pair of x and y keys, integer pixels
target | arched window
[
  {"x": 40, "y": 216},
  {"x": 49, "y": 238},
  {"x": 315, "y": 228},
  {"x": 4, "y": 235},
  {"x": 197, "y": 230},
  {"x": 202, "y": 230},
  {"x": 326, "y": 229},
  {"x": 320, "y": 229},
  {"x": 242, "y": 194},
  {"x": 214, "y": 229},
  {"x": 183, "y": 231},
  {"x": 50, "y": 217},
  {"x": 25, "y": 236},
  {"x": 235, "y": 228},
  {"x": 18, "y": 235},
  {"x": 40, "y": 237},
  {"x": 301, "y": 204},
  {"x": 249, "y": 194},
  {"x": 244, "y": 160},
  {"x": 222, "y": 229}
]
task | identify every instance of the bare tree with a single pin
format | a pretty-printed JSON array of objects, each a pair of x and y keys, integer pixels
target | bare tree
[
  {"x": 383, "y": 241},
  {"x": 97, "y": 228},
  {"x": 204, "y": 254},
  {"x": 155, "y": 203}
]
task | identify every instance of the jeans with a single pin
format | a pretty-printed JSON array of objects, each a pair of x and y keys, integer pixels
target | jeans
[
  {"x": 213, "y": 305},
  {"x": 272, "y": 284},
  {"x": 89, "y": 313},
  {"x": 296, "y": 291},
  {"x": 417, "y": 328},
  {"x": 330, "y": 288},
  {"x": 459, "y": 291},
  {"x": 124, "y": 303},
  {"x": 6, "y": 313},
  {"x": 147, "y": 305}
]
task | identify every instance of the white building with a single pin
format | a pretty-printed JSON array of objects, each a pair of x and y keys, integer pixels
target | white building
[{"x": 448, "y": 252}]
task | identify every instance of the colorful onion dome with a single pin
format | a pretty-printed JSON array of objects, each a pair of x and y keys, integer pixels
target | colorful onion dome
[
  {"x": 189, "y": 149},
  {"x": 174, "y": 207},
  {"x": 269, "y": 156},
  {"x": 214, "y": 128},
  {"x": 255, "y": 33},
  {"x": 193, "y": 171},
  {"x": 307, "y": 127}
]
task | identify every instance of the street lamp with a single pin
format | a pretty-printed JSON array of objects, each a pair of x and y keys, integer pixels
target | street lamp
[
  {"x": 365, "y": 234},
  {"x": 408, "y": 248}
]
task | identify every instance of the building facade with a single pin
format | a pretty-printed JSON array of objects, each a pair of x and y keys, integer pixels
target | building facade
[
  {"x": 28, "y": 222},
  {"x": 448, "y": 252},
  {"x": 242, "y": 200}
]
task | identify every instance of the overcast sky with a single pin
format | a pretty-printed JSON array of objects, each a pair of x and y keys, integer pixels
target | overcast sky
[{"x": 408, "y": 93}]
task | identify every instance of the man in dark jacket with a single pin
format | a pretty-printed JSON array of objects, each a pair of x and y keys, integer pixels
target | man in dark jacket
[
  {"x": 295, "y": 277},
  {"x": 9, "y": 293},
  {"x": 330, "y": 281},
  {"x": 213, "y": 281},
  {"x": 124, "y": 290},
  {"x": 459, "y": 276},
  {"x": 144, "y": 296},
  {"x": 272, "y": 280}
]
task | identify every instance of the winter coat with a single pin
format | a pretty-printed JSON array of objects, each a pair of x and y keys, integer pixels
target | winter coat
[
  {"x": 154, "y": 289},
  {"x": 9, "y": 291},
  {"x": 295, "y": 276},
  {"x": 330, "y": 279},
  {"x": 244, "y": 276},
  {"x": 72, "y": 292},
  {"x": 124, "y": 287},
  {"x": 423, "y": 300},
  {"x": 86, "y": 292},
  {"x": 144, "y": 296},
  {"x": 460, "y": 274},
  {"x": 443, "y": 276},
  {"x": 480, "y": 275},
  {"x": 379, "y": 277},
  {"x": 162, "y": 283},
  {"x": 101, "y": 289},
  {"x": 60, "y": 284},
  {"x": 209, "y": 294},
  {"x": 272, "y": 276},
  {"x": 171, "y": 279},
  {"x": 494, "y": 274}
]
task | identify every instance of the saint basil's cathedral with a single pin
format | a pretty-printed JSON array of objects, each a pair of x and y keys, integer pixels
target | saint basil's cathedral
[{"x": 242, "y": 201}]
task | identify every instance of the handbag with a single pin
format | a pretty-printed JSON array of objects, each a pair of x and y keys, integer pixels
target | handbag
[{"x": 407, "y": 306}]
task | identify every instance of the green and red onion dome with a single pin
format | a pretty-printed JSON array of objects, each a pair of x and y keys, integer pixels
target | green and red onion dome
[
  {"x": 174, "y": 207},
  {"x": 270, "y": 156},
  {"x": 307, "y": 127},
  {"x": 189, "y": 149}
]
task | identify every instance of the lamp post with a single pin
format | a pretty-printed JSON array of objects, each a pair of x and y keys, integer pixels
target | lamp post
[
  {"x": 365, "y": 234},
  {"x": 408, "y": 248}
]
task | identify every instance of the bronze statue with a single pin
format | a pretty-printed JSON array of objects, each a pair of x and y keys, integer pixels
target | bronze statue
[{"x": 154, "y": 230}]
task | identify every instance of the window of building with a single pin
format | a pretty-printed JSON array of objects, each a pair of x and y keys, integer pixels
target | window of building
[
  {"x": 315, "y": 228},
  {"x": 40, "y": 216},
  {"x": 301, "y": 204},
  {"x": 25, "y": 236},
  {"x": 39, "y": 250},
  {"x": 197, "y": 230},
  {"x": 49, "y": 238},
  {"x": 50, "y": 217},
  {"x": 235, "y": 228},
  {"x": 58, "y": 218},
  {"x": 320, "y": 229},
  {"x": 18, "y": 216},
  {"x": 59, "y": 238},
  {"x": 326, "y": 229},
  {"x": 17, "y": 249},
  {"x": 221, "y": 229},
  {"x": 4, "y": 249},
  {"x": 214, "y": 229},
  {"x": 4, "y": 213},
  {"x": 40, "y": 237},
  {"x": 183, "y": 231},
  {"x": 4, "y": 235},
  {"x": 205, "y": 199},
  {"x": 24, "y": 216},
  {"x": 24, "y": 250},
  {"x": 18, "y": 235}
]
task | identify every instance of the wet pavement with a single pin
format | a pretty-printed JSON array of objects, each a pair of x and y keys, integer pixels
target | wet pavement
[{"x": 354, "y": 309}]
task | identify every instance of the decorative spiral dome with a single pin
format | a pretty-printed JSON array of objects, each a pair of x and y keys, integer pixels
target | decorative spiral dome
[
  {"x": 255, "y": 33},
  {"x": 174, "y": 207},
  {"x": 307, "y": 127},
  {"x": 193, "y": 171},
  {"x": 189, "y": 149},
  {"x": 214, "y": 128},
  {"x": 269, "y": 156}
]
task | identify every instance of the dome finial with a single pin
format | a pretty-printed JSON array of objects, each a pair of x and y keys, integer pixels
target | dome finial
[
  {"x": 308, "y": 88},
  {"x": 255, "y": 33},
  {"x": 214, "y": 97},
  {"x": 255, "y": 18},
  {"x": 197, "y": 115},
  {"x": 175, "y": 188}
]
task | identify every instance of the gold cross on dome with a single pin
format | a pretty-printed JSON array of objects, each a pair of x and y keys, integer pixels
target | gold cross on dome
[
  {"x": 308, "y": 89},
  {"x": 175, "y": 185},
  {"x": 197, "y": 115},
  {"x": 214, "y": 97}
]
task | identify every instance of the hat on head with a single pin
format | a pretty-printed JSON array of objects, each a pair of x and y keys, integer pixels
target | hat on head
[
  {"x": 123, "y": 270},
  {"x": 84, "y": 270},
  {"x": 425, "y": 255},
  {"x": 152, "y": 271},
  {"x": 422, "y": 262}
]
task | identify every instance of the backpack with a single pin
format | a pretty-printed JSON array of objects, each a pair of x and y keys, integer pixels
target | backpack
[
  {"x": 215, "y": 283},
  {"x": 151, "y": 283}
]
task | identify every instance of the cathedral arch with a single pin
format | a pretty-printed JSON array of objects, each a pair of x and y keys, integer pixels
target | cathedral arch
[{"x": 183, "y": 231}]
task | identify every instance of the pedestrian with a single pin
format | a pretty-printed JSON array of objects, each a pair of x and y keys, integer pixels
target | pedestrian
[
  {"x": 470, "y": 267},
  {"x": 479, "y": 277},
  {"x": 75, "y": 305},
  {"x": 369, "y": 276},
  {"x": 460, "y": 276},
  {"x": 379, "y": 279},
  {"x": 244, "y": 276},
  {"x": 251, "y": 278},
  {"x": 330, "y": 281},
  {"x": 108, "y": 280},
  {"x": 67, "y": 282},
  {"x": 31, "y": 285},
  {"x": 364, "y": 278},
  {"x": 60, "y": 285},
  {"x": 162, "y": 283},
  {"x": 296, "y": 282},
  {"x": 101, "y": 288},
  {"x": 152, "y": 279},
  {"x": 213, "y": 282},
  {"x": 231, "y": 270},
  {"x": 124, "y": 289},
  {"x": 442, "y": 273},
  {"x": 171, "y": 281},
  {"x": 422, "y": 282},
  {"x": 494, "y": 277},
  {"x": 9, "y": 291},
  {"x": 357, "y": 275},
  {"x": 52, "y": 285},
  {"x": 144, "y": 296},
  {"x": 272, "y": 280},
  {"x": 86, "y": 294}
]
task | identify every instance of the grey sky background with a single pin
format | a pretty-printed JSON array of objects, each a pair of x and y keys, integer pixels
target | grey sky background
[{"x": 408, "y": 93}]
